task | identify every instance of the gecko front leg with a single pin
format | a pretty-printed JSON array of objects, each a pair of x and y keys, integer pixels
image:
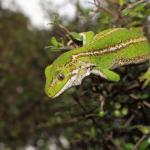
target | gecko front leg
[{"x": 106, "y": 73}]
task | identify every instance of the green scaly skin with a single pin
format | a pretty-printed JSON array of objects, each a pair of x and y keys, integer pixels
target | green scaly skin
[{"x": 109, "y": 49}]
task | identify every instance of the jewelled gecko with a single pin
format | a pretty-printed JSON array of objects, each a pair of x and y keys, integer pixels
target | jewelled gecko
[{"x": 108, "y": 50}]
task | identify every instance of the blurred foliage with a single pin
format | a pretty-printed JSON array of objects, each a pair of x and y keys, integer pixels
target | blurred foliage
[{"x": 98, "y": 115}]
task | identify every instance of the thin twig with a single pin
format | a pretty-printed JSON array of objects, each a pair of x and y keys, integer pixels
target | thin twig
[
  {"x": 102, "y": 102},
  {"x": 129, "y": 121},
  {"x": 131, "y": 6},
  {"x": 62, "y": 49},
  {"x": 139, "y": 142},
  {"x": 108, "y": 11},
  {"x": 63, "y": 28},
  {"x": 146, "y": 104}
]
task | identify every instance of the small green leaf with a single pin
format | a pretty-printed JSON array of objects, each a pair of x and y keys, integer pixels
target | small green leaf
[
  {"x": 145, "y": 145},
  {"x": 62, "y": 42},
  {"x": 144, "y": 129},
  {"x": 76, "y": 36},
  {"x": 93, "y": 131},
  {"x": 54, "y": 42},
  {"x": 125, "y": 12},
  {"x": 128, "y": 146},
  {"x": 144, "y": 96},
  {"x": 122, "y": 2}
]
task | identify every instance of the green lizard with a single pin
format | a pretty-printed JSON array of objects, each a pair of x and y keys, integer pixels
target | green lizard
[{"x": 108, "y": 50}]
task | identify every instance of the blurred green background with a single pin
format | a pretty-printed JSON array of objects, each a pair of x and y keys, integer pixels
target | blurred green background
[{"x": 75, "y": 120}]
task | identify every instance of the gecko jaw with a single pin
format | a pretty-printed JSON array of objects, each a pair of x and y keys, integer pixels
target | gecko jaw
[
  {"x": 75, "y": 80},
  {"x": 67, "y": 85}
]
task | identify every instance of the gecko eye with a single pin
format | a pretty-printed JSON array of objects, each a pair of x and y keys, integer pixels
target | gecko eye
[{"x": 60, "y": 76}]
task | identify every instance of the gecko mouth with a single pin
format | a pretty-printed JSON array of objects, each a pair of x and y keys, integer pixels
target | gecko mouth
[
  {"x": 75, "y": 80},
  {"x": 68, "y": 85}
]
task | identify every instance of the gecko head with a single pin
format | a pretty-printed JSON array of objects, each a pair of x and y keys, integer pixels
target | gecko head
[
  {"x": 60, "y": 77},
  {"x": 58, "y": 80}
]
